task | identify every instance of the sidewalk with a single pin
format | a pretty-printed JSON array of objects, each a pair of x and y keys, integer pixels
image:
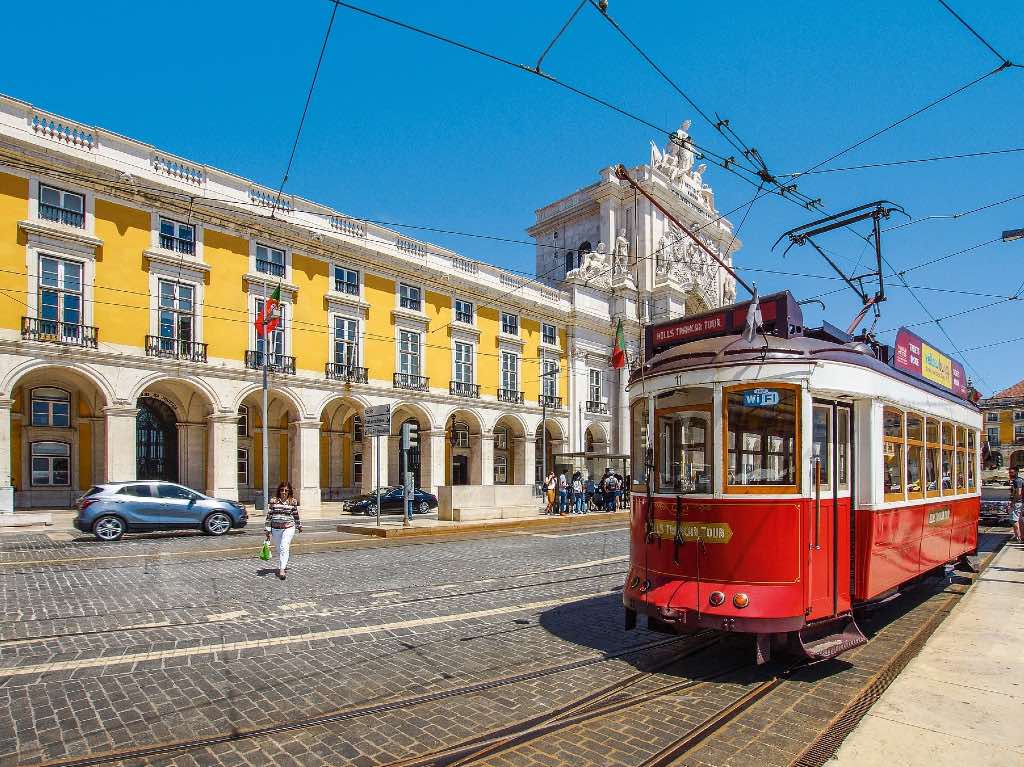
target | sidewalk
[{"x": 961, "y": 700}]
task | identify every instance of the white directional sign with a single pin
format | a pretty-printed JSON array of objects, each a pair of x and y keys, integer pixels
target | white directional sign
[{"x": 377, "y": 421}]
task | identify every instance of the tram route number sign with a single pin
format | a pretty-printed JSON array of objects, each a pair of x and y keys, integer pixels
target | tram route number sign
[
  {"x": 760, "y": 398},
  {"x": 377, "y": 421}
]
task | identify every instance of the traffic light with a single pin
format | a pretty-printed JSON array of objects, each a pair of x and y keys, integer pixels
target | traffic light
[{"x": 410, "y": 436}]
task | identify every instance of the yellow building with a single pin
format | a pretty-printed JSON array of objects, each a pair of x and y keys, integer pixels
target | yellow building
[
  {"x": 1004, "y": 426},
  {"x": 130, "y": 281}
]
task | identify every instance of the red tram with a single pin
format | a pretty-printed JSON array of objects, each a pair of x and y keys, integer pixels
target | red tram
[{"x": 778, "y": 483}]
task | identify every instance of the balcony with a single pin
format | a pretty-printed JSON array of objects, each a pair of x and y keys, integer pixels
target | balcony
[
  {"x": 175, "y": 349},
  {"x": 411, "y": 303},
  {"x": 349, "y": 288},
  {"x": 594, "y": 406},
  {"x": 551, "y": 401},
  {"x": 464, "y": 317},
  {"x": 411, "y": 382},
  {"x": 276, "y": 363},
  {"x": 511, "y": 396},
  {"x": 56, "y": 332},
  {"x": 61, "y": 215},
  {"x": 461, "y": 389},
  {"x": 348, "y": 373},
  {"x": 177, "y": 244},
  {"x": 269, "y": 267}
]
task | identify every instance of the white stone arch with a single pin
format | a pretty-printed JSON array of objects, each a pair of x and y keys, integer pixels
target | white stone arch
[
  {"x": 514, "y": 418},
  {"x": 411, "y": 409},
  {"x": 476, "y": 420},
  {"x": 283, "y": 392},
  {"x": 356, "y": 402},
  {"x": 14, "y": 377},
  {"x": 599, "y": 433},
  {"x": 184, "y": 410}
]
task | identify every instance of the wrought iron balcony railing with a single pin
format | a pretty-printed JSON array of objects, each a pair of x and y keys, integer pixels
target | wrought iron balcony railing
[
  {"x": 269, "y": 267},
  {"x": 550, "y": 400},
  {"x": 337, "y": 371},
  {"x": 56, "y": 332},
  {"x": 409, "y": 381},
  {"x": 461, "y": 389},
  {"x": 344, "y": 286},
  {"x": 175, "y": 348},
  {"x": 595, "y": 406},
  {"x": 466, "y": 317},
  {"x": 276, "y": 363},
  {"x": 177, "y": 244},
  {"x": 511, "y": 396},
  {"x": 61, "y": 215}
]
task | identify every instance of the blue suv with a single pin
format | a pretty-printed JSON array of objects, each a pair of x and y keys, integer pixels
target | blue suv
[{"x": 110, "y": 510}]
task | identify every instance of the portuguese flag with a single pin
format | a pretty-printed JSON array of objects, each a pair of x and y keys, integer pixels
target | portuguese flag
[
  {"x": 270, "y": 317},
  {"x": 619, "y": 350}
]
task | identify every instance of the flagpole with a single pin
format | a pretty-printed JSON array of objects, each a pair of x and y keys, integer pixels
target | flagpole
[{"x": 266, "y": 408}]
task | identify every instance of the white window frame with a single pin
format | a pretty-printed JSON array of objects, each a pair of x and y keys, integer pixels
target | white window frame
[
  {"x": 254, "y": 244},
  {"x": 992, "y": 418},
  {"x": 346, "y": 271},
  {"x": 284, "y": 329},
  {"x": 1018, "y": 431},
  {"x": 88, "y": 219},
  {"x": 49, "y": 402},
  {"x": 242, "y": 460},
  {"x": 356, "y": 359},
  {"x": 243, "y": 421},
  {"x": 595, "y": 384},
  {"x": 458, "y": 363},
  {"x": 500, "y": 469},
  {"x": 411, "y": 332},
  {"x": 160, "y": 220},
  {"x": 408, "y": 286},
  {"x": 50, "y": 460},
  {"x": 1018, "y": 415},
  {"x": 544, "y": 328},
  {"x": 507, "y": 319},
  {"x": 509, "y": 373},
  {"x": 502, "y": 442},
  {"x": 160, "y": 308},
  {"x": 548, "y": 383},
  {"x": 472, "y": 311},
  {"x": 460, "y": 435},
  {"x": 85, "y": 306}
]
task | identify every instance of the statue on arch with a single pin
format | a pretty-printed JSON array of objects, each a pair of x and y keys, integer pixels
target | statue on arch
[{"x": 621, "y": 253}]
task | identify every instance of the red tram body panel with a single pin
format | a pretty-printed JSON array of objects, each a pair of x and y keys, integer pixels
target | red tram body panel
[{"x": 780, "y": 482}]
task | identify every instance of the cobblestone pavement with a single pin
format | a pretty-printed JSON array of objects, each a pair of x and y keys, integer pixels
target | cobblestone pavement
[{"x": 394, "y": 650}]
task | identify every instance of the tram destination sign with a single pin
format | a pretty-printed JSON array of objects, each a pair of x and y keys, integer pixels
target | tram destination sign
[
  {"x": 780, "y": 315},
  {"x": 915, "y": 356}
]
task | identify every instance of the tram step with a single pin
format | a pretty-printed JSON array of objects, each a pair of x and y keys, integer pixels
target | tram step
[{"x": 830, "y": 638}]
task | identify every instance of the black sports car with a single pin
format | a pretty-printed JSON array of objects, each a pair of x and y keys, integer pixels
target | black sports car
[{"x": 391, "y": 502}]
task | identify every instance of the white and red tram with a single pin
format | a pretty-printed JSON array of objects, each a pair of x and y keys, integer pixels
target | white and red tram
[{"x": 779, "y": 483}]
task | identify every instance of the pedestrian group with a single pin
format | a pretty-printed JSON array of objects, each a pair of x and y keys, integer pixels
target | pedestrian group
[{"x": 576, "y": 494}]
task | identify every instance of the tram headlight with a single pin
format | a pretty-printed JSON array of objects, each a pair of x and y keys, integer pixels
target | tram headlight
[
  {"x": 715, "y": 598},
  {"x": 740, "y": 601}
]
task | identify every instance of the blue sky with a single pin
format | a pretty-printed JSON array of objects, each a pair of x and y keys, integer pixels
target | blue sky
[{"x": 406, "y": 130}]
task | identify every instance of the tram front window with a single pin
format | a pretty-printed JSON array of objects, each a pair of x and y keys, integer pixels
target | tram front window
[
  {"x": 761, "y": 427},
  {"x": 684, "y": 444}
]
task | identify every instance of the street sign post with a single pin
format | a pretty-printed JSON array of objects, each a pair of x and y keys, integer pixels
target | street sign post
[{"x": 377, "y": 424}]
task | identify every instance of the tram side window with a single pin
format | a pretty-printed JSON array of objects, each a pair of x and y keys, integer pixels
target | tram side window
[
  {"x": 947, "y": 458},
  {"x": 821, "y": 430},
  {"x": 931, "y": 457},
  {"x": 638, "y": 439},
  {"x": 915, "y": 455},
  {"x": 961, "y": 459},
  {"x": 684, "y": 434},
  {"x": 892, "y": 453},
  {"x": 843, "y": 448},
  {"x": 972, "y": 459},
  {"x": 761, "y": 424}
]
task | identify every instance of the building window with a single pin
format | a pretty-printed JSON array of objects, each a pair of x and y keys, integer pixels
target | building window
[
  {"x": 463, "y": 362},
  {"x": 273, "y": 343},
  {"x": 500, "y": 470},
  {"x": 410, "y": 297},
  {"x": 243, "y": 467},
  {"x": 548, "y": 334},
  {"x": 501, "y": 438},
  {"x": 346, "y": 341},
  {"x": 993, "y": 417},
  {"x": 51, "y": 407},
  {"x": 464, "y": 311},
  {"x": 460, "y": 435},
  {"x": 357, "y": 429},
  {"x": 892, "y": 453},
  {"x": 177, "y": 315},
  {"x": 596, "y": 388},
  {"x": 357, "y": 469},
  {"x": 409, "y": 355},
  {"x": 60, "y": 297},
  {"x": 1018, "y": 415},
  {"x": 509, "y": 324},
  {"x": 1018, "y": 432},
  {"x": 51, "y": 464},
  {"x": 346, "y": 281},
  {"x": 915, "y": 456},
  {"x": 60, "y": 206},
  {"x": 176, "y": 236},
  {"x": 993, "y": 435},
  {"x": 270, "y": 260},
  {"x": 243, "y": 421},
  {"x": 549, "y": 378},
  {"x": 509, "y": 371}
]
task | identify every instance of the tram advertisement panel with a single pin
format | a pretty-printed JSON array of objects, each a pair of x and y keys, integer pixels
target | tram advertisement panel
[{"x": 919, "y": 358}]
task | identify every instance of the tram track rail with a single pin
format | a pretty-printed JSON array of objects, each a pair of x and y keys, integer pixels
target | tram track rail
[{"x": 356, "y": 712}]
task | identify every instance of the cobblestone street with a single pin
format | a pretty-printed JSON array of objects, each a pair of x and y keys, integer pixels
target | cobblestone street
[{"x": 377, "y": 653}]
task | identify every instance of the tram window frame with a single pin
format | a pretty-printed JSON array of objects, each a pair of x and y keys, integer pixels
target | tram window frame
[
  {"x": 734, "y": 488},
  {"x": 916, "y": 445},
  {"x": 932, "y": 457},
  {"x": 826, "y": 460},
  {"x": 899, "y": 447},
  {"x": 972, "y": 460},
  {"x": 844, "y": 449},
  {"x": 639, "y": 426},
  {"x": 948, "y": 457},
  {"x": 960, "y": 481},
  {"x": 684, "y": 413}
]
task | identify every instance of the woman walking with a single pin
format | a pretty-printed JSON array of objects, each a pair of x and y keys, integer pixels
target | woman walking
[{"x": 282, "y": 522}]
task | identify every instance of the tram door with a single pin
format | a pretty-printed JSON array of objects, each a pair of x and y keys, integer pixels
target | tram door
[{"x": 828, "y": 524}]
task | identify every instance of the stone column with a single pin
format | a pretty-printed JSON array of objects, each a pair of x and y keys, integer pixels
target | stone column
[
  {"x": 6, "y": 490},
  {"x": 120, "y": 460},
  {"x": 338, "y": 445},
  {"x": 432, "y": 452},
  {"x": 529, "y": 451},
  {"x": 481, "y": 459},
  {"x": 391, "y": 458},
  {"x": 222, "y": 461},
  {"x": 305, "y": 463},
  {"x": 370, "y": 463},
  {"x": 191, "y": 471}
]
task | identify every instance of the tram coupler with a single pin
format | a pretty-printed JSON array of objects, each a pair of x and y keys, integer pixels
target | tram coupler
[{"x": 630, "y": 619}]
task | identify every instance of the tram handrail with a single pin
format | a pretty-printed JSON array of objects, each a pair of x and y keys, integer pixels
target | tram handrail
[{"x": 817, "y": 502}]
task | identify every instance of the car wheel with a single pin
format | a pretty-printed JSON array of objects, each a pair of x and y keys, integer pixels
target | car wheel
[
  {"x": 217, "y": 523},
  {"x": 424, "y": 507},
  {"x": 109, "y": 528}
]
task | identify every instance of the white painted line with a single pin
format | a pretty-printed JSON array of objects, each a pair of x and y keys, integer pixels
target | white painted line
[
  {"x": 312, "y": 636},
  {"x": 296, "y": 605},
  {"x": 215, "y": 617},
  {"x": 591, "y": 563}
]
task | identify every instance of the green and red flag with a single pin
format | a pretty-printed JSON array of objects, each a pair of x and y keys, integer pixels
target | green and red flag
[
  {"x": 268, "y": 319},
  {"x": 619, "y": 350}
]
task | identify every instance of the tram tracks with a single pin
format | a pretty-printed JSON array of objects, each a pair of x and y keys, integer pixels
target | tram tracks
[{"x": 701, "y": 643}]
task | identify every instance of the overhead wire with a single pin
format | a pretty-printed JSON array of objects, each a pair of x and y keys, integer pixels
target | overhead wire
[
  {"x": 1006, "y": 62},
  {"x": 893, "y": 163},
  {"x": 955, "y": 216}
]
